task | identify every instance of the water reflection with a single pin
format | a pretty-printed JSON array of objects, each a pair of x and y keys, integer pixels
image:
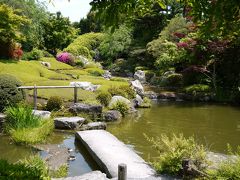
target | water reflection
[{"x": 212, "y": 125}]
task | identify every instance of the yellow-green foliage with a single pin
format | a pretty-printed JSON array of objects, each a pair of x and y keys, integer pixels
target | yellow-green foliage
[
  {"x": 30, "y": 71},
  {"x": 104, "y": 97},
  {"x": 95, "y": 71},
  {"x": 33, "y": 135},
  {"x": 61, "y": 172},
  {"x": 32, "y": 168},
  {"x": 172, "y": 151},
  {"x": 84, "y": 44},
  {"x": 229, "y": 169}
]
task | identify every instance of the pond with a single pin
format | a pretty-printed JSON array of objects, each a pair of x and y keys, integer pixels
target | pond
[{"x": 212, "y": 125}]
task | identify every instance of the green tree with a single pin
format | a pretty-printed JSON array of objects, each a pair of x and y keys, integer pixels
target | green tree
[
  {"x": 10, "y": 26},
  {"x": 216, "y": 17},
  {"x": 89, "y": 24},
  {"x": 115, "y": 44},
  {"x": 59, "y": 33},
  {"x": 37, "y": 13}
]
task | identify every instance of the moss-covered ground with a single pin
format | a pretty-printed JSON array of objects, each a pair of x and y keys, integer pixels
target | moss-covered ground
[{"x": 59, "y": 74}]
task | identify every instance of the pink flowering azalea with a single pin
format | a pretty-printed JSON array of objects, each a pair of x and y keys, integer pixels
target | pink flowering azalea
[{"x": 65, "y": 57}]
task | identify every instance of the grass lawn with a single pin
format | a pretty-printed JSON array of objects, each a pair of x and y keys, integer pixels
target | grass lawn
[{"x": 32, "y": 72}]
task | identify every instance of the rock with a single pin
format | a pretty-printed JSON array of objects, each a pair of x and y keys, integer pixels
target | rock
[
  {"x": 84, "y": 60},
  {"x": 68, "y": 122},
  {"x": 167, "y": 73},
  {"x": 93, "y": 126},
  {"x": 140, "y": 75},
  {"x": 107, "y": 75},
  {"x": 46, "y": 64},
  {"x": 137, "y": 101},
  {"x": 151, "y": 95},
  {"x": 112, "y": 115},
  {"x": 137, "y": 86},
  {"x": 94, "y": 175},
  {"x": 115, "y": 99},
  {"x": 42, "y": 114},
  {"x": 55, "y": 155},
  {"x": 85, "y": 85},
  {"x": 2, "y": 120},
  {"x": 217, "y": 158},
  {"x": 85, "y": 108}
]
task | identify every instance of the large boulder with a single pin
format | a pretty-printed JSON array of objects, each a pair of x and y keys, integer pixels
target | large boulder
[
  {"x": 85, "y": 108},
  {"x": 137, "y": 86},
  {"x": 93, "y": 126},
  {"x": 140, "y": 75},
  {"x": 115, "y": 99},
  {"x": 68, "y": 122},
  {"x": 137, "y": 101},
  {"x": 112, "y": 115},
  {"x": 42, "y": 114},
  {"x": 85, "y": 85}
]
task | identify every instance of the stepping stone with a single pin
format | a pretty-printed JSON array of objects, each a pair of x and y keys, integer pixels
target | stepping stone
[
  {"x": 94, "y": 126},
  {"x": 68, "y": 122},
  {"x": 109, "y": 152},
  {"x": 42, "y": 114}
]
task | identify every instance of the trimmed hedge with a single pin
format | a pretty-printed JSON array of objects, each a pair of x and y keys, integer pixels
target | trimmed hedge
[{"x": 9, "y": 93}]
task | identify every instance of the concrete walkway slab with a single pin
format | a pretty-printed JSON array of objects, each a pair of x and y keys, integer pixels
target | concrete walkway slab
[{"x": 108, "y": 152}]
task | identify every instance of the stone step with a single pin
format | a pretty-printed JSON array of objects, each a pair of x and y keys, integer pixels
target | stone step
[{"x": 109, "y": 152}]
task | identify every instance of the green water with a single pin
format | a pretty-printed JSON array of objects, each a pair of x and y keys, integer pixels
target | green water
[
  {"x": 212, "y": 125},
  {"x": 83, "y": 163}
]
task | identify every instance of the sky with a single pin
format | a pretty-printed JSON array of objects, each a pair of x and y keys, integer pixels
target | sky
[{"x": 75, "y": 9}]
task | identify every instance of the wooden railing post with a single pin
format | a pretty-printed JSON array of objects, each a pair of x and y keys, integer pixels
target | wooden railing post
[
  {"x": 122, "y": 172},
  {"x": 35, "y": 97},
  {"x": 75, "y": 94}
]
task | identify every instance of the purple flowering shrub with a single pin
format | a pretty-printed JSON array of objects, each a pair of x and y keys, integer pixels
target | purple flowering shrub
[{"x": 66, "y": 57}]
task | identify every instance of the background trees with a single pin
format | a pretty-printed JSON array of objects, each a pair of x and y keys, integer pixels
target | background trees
[
  {"x": 58, "y": 33},
  {"x": 10, "y": 24}
]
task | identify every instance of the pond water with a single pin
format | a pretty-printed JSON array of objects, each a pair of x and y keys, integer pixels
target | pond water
[
  {"x": 83, "y": 163},
  {"x": 212, "y": 125}
]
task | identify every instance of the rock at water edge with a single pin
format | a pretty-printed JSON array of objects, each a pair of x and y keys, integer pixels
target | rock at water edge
[{"x": 68, "y": 122}]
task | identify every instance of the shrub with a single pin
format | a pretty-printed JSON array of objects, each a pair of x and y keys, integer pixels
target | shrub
[
  {"x": 172, "y": 151},
  {"x": 95, "y": 71},
  {"x": 34, "y": 168},
  {"x": 142, "y": 68},
  {"x": 172, "y": 80},
  {"x": 197, "y": 88},
  {"x": 79, "y": 50},
  {"x": 121, "y": 106},
  {"x": 84, "y": 44},
  {"x": 125, "y": 91},
  {"x": 33, "y": 135},
  {"x": 9, "y": 92},
  {"x": 149, "y": 75},
  {"x": 67, "y": 58},
  {"x": 146, "y": 103},
  {"x": 104, "y": 97},
  {"x": 229, "y": 168},
  {"x": 54, "y": 103},
  {"x": 35, "y": 54},
  {"x": 19, "y": 117}
]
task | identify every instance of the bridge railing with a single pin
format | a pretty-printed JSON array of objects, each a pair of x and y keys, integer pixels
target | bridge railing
[{"x": 35, "y": 88}]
